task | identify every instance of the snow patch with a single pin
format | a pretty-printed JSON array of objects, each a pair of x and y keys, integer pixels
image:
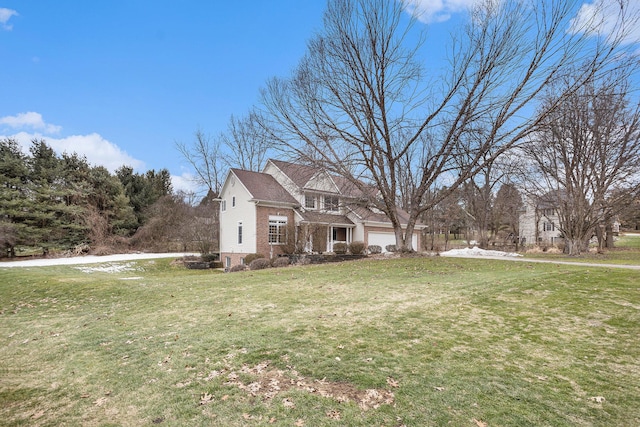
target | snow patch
[
  {"x": 477, "y": 252},
  {"x": 110, "y": 268}
]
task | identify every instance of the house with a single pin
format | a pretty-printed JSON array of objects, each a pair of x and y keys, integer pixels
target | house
[
  {"x": 538, "y": 221},
  {"x": 290, "y": 208}
]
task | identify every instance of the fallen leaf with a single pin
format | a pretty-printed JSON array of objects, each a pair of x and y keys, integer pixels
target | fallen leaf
[
  {"x": 333, "y": 414},
  {"x": 393, "y": 383},
  {"x": 598, "y": 399},
  {"x": 205, "y": 398},
  {"x": 100, "y": 401},
  {"x": 38, "y": 414},
  {"x": 439, "y": 388},
  {"x": 480, "y": 423},
  {"x": 288, "y": 403},
  {"x": 225, "y": 397},
  {"x": 299, "y": 423}
]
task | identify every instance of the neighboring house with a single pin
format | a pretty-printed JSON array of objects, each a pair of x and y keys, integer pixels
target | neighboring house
[
  {"x": 295, "y": 208},
  {"x": 539, "y": 222}
]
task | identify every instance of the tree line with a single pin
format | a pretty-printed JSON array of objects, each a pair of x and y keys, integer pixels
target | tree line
[{"x": 62, "y": 202}]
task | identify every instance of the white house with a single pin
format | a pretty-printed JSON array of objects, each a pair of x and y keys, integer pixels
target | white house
[{"x": 538, "y": 222}]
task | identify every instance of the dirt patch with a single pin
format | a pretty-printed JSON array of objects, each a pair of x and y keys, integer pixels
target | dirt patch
[{"x": 269, "y": 382}]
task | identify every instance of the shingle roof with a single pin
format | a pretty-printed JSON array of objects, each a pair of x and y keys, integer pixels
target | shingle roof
[
  {"x": 367, "y": 214},
  {"x": 264, "y": 187},
  {"x": 301, "y": 174},
  {"x": 323, "y": 218}
]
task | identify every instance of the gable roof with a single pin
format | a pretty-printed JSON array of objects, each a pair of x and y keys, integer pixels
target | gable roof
[
  {"x": 367, "y": 214},
  {"x": 302, "y": 175},
  {"x": 264, "y": 187},
  {"x": 299, "y": 174}
]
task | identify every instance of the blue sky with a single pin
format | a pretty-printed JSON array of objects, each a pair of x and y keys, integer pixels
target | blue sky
[{"x": 121, "y": 81}]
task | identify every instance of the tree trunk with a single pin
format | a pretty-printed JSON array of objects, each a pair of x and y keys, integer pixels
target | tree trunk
[
  {"x": 609, "y": 236},
  {"x": 600, "y": 235}
]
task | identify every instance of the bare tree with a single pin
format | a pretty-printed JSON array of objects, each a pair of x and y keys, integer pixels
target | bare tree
[
  {"x": 506, "y": 212},
  {"x": 205, "y": 156},
  {"x": 248, "y": 143},
  {"x": 362, "y": 104},
  {"x": 586, "y": 152}
]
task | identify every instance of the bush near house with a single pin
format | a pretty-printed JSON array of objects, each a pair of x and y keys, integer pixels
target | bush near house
[
  {"x": 259, "y": 264},
  {"x": 390, "y": 248},
  {"x": 237, "y": 268},
  {"x": 249, "y": 258},
  {"x": 356, "y": 248},
  {"x": 375, "y": 249},
  {"x": 340, "y": 248},
  {"x": 282, "y": 261}
]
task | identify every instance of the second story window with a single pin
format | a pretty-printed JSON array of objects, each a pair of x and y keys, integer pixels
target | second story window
[
  {"x": 331, "y": 203},
  {"x": 223, "y": 205},
  {"x": 309, "y": 201},
  {"x": 233, "y": 202},
  {"x": 239, "y": 233}
]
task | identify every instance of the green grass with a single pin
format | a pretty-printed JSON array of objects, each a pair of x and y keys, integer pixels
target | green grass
[
  {"x": 412, "y": 341},
  {"x": 626, "y": 251}
]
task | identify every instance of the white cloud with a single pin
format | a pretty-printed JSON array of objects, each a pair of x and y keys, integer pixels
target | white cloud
[
  {"x": 602, "y": 18},
  {"x": 429, "y": 11},
  {"x": 94, "y": 147},
  {"x": 29, "y": 120},
  {"x": 185, "y": 182},
  {"x": 5, "y": 15}
]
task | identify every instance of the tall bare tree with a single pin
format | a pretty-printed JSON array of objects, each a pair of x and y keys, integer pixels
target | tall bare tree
[
  {"x": 206, "y": 158},
  {"x": 586, "y": 152},
  {"x": 363, "y": 104},
  {"x": 247, "y": 143}
]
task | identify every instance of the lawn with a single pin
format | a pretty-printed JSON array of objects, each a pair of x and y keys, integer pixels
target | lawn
[
  {"x": 410, "y": 341},
  {"x": 626, "y": 250}
]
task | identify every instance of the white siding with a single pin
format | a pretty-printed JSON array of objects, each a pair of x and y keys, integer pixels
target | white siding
[{"x": 244, "y": 211}]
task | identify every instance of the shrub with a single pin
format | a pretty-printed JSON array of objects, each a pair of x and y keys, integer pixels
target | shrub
[
  {"x": 375, "y": 249},
  {"x": 236, "y": 268},
  {"x": 303, "y": 261},
  {"x": 340, "y": 248},
  {"x": 259, "y": 264},
  {"x": 217, "y": 264},
  {"x": 249, "y": 258},
  {"x": 390, "y": 248},
  {"x": 209, "y": 257},
  {"x": 356, "y": 248},
  {"x": 282, "y": 261}
]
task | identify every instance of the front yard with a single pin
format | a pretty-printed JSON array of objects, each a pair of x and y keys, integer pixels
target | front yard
[{"x": 410, "y": 341}]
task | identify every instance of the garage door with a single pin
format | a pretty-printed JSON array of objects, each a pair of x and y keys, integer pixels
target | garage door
[{"x": 384, "y": 239}]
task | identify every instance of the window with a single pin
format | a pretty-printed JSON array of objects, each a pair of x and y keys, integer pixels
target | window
[
  {"x": 309, "y": 201},
  {"x": 548, "y": 226},
  {"x": 240, "y": 233},
  {"x": 277, "y": 230},
  {"x": 223, "y": 205},
  {"x": 227, "y": 261},
  {"x": 233, "y": 202},
  {"x": 331, "y": 203}
]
